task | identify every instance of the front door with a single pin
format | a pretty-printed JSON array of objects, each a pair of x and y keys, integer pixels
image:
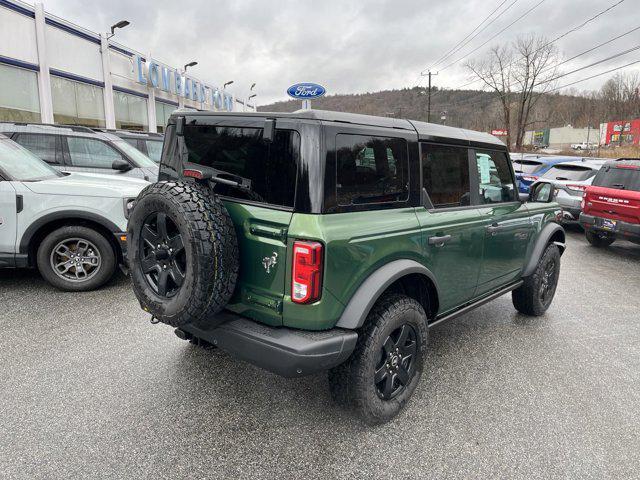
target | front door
[
  {"x": 507, "y": 224},
  {"x": 8, "y": 218},
  {"x": 452, "y": 228}
]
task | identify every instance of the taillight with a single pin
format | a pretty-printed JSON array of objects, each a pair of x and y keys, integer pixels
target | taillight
[
  {"x": 306, "y": 281},
  {"x": 192, "y": 173},
  {"x": 529, "y": 178},
  {"x": 577, "y": 188}
]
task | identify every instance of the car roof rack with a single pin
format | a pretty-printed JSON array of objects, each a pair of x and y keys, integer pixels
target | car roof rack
[{"x": 74, "y": 128}]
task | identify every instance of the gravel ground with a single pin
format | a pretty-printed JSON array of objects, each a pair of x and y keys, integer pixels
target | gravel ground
[{"x": 90, "y": 389}]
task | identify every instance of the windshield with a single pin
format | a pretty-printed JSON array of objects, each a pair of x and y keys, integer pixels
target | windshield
[
  {"x": 154, "y": 149},
  {"x": 526, "y": 166},
  {"x": 22, "y": 165},
  {"x": 136, "y": 155},
  {"x": 619, "y": 178},
  {"x": 569, "y": 172}
]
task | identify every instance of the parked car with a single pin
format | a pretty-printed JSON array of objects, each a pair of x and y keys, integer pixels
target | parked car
[
  {"x": 583, "y": 146},
  {"x": 71, "y": 226},
  {"x": 313, "y": 241},
  {"x": 611, "y": 205},
  {"x": 71, "y": 148},
  {"x": 530, "y": 167},
  {"x": 570, "y": 180},
  {"x": 148, "y": 143}
]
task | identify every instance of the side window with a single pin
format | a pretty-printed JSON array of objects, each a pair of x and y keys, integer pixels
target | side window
[
  {"x": 445, "y": 172},
  {"x": 371, "y": 170},
  {"x": 154, "y": 150},
  {"x": 42, "y": 146},
  {"x": 496, "y": 183},
  {"x": 91, "y": 153}
]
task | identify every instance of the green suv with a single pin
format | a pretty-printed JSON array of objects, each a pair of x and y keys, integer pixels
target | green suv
[{"x": 324, "y": 241}]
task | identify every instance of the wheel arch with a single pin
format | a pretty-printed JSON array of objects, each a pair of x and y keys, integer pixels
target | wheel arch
[
  {"x": 550, "y": 233},
  {"x": 400, "y": 276},
  {"x": 46, "y": 224}
]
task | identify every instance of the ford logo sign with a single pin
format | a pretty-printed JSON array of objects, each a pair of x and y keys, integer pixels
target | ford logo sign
[{"x": 306, "y": 90}]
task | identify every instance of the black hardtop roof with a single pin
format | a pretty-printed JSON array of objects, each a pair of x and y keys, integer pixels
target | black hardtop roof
[{"x": 426, "y": 131}]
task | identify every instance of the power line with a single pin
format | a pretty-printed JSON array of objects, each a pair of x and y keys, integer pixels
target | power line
[
  {"x": 594, "y": 76},
  {"x": 496, "y": 35},
  {"x": 462, "y": 42},
  {"x": 568, "y": 32}
]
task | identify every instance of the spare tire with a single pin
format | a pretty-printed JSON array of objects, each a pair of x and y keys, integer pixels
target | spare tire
[{"x": 182, "y": 252}]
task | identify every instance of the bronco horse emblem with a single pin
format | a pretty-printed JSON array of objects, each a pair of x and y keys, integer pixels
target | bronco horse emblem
[{"x": 268, "y": 262}]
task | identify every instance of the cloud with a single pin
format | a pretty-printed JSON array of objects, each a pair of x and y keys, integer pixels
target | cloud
[{"x": 347, "y": 46}]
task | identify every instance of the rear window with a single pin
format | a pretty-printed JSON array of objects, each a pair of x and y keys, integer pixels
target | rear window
[
  {"x": 267, "y": 170},
  {"x": 618, "y": 178},
  {"x": 526, "y": 166},
  {"x": 371, "y": 169},
  {"x": 569, "y": 172}
]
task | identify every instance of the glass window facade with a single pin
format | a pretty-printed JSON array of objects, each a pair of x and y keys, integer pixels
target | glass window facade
[
  {"x": 131, "y": 111},
  {"x": 19, "y": 100},
  {"x": 163, "y": 112},
  {"x": 77, "y": 103}
]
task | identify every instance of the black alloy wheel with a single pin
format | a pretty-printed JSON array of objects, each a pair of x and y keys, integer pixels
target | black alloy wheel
[
  {"x": 395, "y": 368},
  {"x": 548, "y": 282},
  {"x": 162, "y": 255}
]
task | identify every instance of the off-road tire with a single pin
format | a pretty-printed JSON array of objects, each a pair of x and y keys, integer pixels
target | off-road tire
[
  {"x": 528, "y": 298},
  {"x": 352, "y": 383},
  {"x": 210, "y": 252},
  {"x": 106, "y": 251},
  {"x": 599, "y": 240}
]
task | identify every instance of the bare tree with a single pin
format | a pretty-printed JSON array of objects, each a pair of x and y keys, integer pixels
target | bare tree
[
  {"x": 520, "y": 73},
  {"x": 620, "y": 95},
  {"x": 495, "y": 72}
]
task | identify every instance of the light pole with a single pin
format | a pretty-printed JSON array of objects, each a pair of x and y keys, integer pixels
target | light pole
[
  {"x": 190, "y": 64},
  {"x": 250, "y": 97},
  {"x": 120, "y": 24}
]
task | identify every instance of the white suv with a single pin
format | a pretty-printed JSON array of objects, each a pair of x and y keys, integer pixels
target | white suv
[{"x": 71, "y": 226}]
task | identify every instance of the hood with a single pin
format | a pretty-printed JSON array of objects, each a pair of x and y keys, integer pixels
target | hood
[{"x": 89, "y": 185}]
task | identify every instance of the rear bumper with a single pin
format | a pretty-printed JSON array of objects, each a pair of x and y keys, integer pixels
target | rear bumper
[
  {"x": 284, "y": 351},
  {"x": 571, "y": 207},
  {"x": 623, "y": 229}
]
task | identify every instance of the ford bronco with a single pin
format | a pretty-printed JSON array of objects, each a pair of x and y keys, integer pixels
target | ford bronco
[{"x": 323, "y": 241}]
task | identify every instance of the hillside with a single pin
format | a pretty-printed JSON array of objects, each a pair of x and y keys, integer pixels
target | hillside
[{"x": 465, "y": 108}]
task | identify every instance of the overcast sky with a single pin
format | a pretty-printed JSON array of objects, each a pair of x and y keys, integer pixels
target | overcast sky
[{"x": 347, "y": 46}]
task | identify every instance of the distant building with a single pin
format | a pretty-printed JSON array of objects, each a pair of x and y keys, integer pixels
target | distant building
[
  {"x": 561, "y": 138},
  {"x": 53, "y": 71},
  {"x": 623, "y": 132}
]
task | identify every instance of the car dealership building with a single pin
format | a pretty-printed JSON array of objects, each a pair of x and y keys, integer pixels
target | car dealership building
[{"x": 53, "y": 71}]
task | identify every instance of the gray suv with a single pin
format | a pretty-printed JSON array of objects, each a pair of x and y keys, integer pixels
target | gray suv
[{"x": 72, "y": 148}]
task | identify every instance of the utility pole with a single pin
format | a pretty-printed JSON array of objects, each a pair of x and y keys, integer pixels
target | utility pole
[{"x": 429, "y": 74}]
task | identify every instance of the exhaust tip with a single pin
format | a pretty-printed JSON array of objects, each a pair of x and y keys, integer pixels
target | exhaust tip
[{"x": 182, "y": 335}]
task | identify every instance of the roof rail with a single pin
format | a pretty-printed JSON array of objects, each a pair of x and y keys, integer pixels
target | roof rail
[{"x": 74, "y": 128}]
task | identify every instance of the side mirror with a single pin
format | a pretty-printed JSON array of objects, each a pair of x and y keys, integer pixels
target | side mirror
[
  {"x": 121, "y": 165},
  {"x": 542, "y": 192}
]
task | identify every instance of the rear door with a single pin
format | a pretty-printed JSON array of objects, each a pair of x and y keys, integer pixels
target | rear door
[
  {"x": 261, "y": 211},
  {"x": 507, "y": 227},
  {"x": 452, "y": 227},
  {"x": 47, "y": 147}
]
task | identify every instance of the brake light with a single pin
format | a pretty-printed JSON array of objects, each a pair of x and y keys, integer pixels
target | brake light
[
  {"x": 529, "y": 178},
  {"x": 189, "y": 172},
  {"x": 577, "y": 188},
  {"x": 306, "y": 279}
]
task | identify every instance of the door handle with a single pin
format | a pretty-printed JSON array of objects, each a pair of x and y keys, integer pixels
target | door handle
[
  {"x": 439, "y": 241},
  {"x": 493, "y": 228}
]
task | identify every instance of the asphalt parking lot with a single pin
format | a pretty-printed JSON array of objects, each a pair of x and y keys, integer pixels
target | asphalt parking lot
[{"x": 90, "y": 389}]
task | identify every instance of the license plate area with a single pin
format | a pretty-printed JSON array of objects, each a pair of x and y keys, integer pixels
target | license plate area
[{"x": 607, "y": 224}]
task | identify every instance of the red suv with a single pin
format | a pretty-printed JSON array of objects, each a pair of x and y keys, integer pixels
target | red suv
[{"x": 611, "y": 204}]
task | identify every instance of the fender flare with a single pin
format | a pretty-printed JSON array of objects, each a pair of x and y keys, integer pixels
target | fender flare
[
  {"x": 62, "y": 215},
  {"x": 544, "y": 238},
  {"x": 358, "y": 308}
]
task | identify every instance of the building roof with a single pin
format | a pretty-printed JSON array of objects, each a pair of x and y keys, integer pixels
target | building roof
[{"x": 426, "y": 131}]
